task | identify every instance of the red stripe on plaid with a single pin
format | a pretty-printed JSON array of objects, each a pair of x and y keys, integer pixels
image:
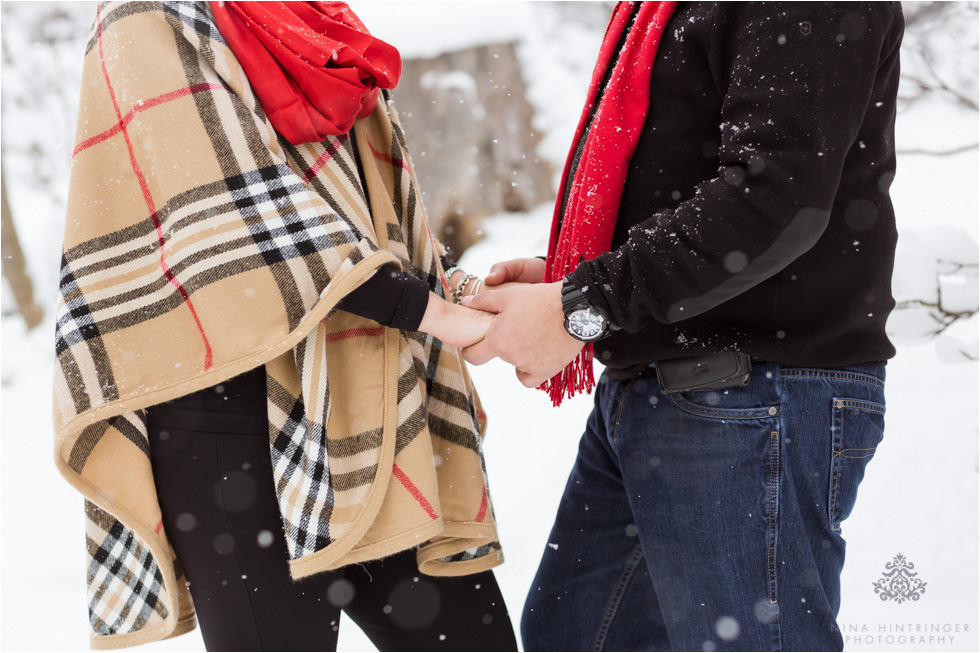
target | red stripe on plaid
[
  {"x": 414, "y": 491},
  {"x": 354, "y": 333},
  {"x": 400, "y": 162},
  {"x": 387, "y": 158},
  {"x": 328, "y": 153},
  {"x": 484, "y": 504},
  {"x": 148, "y": 198},
  {"x": 147, "y": 104}
]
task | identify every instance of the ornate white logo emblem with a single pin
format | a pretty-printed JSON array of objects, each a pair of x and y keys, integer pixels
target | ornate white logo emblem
[{"x": 899, "y": 583}]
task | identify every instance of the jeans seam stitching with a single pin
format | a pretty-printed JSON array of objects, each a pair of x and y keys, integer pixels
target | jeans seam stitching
[
  {"x": 843, "y": 376},
  {"x": 619, "y": 412},
  {"x": 730, "y": 413},
  {"x": 835, "y": 465},
  {"x": 616, "y": 598},
  {"x": 773, "y": 511},
  {"x": 860, "y": 404}
]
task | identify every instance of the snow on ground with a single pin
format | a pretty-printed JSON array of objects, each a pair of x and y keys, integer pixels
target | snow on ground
[{"x": 919, "y": 497}]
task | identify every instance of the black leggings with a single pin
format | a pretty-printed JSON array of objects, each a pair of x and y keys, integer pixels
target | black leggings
[{"x": 213, "y": 473}]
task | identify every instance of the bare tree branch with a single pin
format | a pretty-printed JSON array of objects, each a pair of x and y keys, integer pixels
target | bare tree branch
[
  {"x": 943, "y": 317},
  {"x": 958, "y": 150},
  {"x": 943, "y": 86}
]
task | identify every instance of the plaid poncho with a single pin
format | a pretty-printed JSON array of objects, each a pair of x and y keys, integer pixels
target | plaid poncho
[{"x": 199, "y": 245}]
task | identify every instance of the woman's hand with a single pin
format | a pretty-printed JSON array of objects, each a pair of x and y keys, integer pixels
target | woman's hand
[{"x": 454, "y": 325}]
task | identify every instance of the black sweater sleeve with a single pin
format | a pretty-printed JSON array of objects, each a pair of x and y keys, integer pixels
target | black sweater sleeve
[
  {"x": 391, "y": 298},
  {"x": 796, "y": 81}
]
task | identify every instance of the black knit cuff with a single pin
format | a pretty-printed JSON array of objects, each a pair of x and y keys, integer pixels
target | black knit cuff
[{"x": 391, "y": 298}]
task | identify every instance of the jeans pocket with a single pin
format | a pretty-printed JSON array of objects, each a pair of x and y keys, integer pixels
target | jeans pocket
[
  {"x": 858, "y": 428},
  {"x": 734, "y": 403}
]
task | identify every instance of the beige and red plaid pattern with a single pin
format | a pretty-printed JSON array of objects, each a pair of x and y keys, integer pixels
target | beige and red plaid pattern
[{"x": 199, "y": 245}]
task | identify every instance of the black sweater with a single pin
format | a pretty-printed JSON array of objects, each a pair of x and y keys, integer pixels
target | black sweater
[{"x": 756, "y": 214}]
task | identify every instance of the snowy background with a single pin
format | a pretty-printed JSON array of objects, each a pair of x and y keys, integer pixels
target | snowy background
[{"x": 920, "y": 495}]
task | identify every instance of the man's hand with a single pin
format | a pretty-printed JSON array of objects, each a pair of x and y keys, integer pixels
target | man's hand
[
  {"x": 528, "y": 332},
  {"x": 519, "y": 270}
]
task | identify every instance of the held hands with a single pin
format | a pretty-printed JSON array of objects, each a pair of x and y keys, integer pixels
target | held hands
[
  {"x": 528, "y": 331},
  {"x": 457, "y": 325},
  {"x": 454, "y": 325}
]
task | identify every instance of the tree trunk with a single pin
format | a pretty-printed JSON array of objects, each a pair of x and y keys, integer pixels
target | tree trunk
[
  {"x": 15, "y": 268},
  {"x": 468, "y": 127}
]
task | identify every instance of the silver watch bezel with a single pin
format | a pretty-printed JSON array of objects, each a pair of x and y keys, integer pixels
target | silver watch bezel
[{"x": 595, "y": 315}]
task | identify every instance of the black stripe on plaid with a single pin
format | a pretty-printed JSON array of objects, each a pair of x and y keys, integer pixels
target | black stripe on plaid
[
  {"x": 250, "y": 256},
  {"x": 303, "y": 160},
  {"x": 195, "y": 16},
  {"x": 400, "y": 154},
  {"x": 141, "y": 239},
  {"x": 231, "y": 168},
  {"x": 112, "y": 12},
  {"x": 75, "y": 325},
  {"x": 449, "y": 396},
  {"x": 291, "y": 237},
  {"x": 394, "y": 233},
  {"x": 191, "y": 14},
  {"x": 350, "y": 163},
  {"x": 128, "y": 239},
  {"x": 120, "y": 559},
  {"x": 99, "y": 517},
  {"x": 398, "y": 198},
  {"x": 85, "y": 443},
  {"x": 433, "y": 354},
  {"x": 288, "y": 451},
  {"x": 93, "y": 434},
  {"x": 318, "y": 474},
  {"x": 73, "y": 380},
  {"x": 454, "y": 433},
  {"x": 410, "y": 426},
  {"x": 279, "y": 396},
  {"x": 284, "y": 445},
  {"x": 354, "y": 444},
  {"x": 135, "y": 433},
  {"x": 470, "y": 554},
  {"x": 355, "y": 479},
  {"x": 395, "y": 124},
  {"x": 344, "y": 157}
]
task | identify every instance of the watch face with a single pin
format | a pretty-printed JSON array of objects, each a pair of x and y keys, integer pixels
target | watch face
[{"x": 585, "y": 324}]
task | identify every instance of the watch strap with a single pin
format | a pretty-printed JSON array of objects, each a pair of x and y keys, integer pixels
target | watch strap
[{"x": 573, "y": 299}]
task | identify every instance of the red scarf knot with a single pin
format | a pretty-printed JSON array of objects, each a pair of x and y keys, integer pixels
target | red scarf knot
[{"x": 314, "y": 66}]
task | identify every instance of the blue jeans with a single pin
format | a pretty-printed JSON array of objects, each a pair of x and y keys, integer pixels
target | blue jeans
[{"x": 708, "y": 520}]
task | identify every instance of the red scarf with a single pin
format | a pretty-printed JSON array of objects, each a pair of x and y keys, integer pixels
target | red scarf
[
  {"x": 585, "y": 228},
  {"x": 313, "y": 65}
]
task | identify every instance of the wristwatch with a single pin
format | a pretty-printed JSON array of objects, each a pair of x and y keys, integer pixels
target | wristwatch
[{"x": 582, "y": 320}]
